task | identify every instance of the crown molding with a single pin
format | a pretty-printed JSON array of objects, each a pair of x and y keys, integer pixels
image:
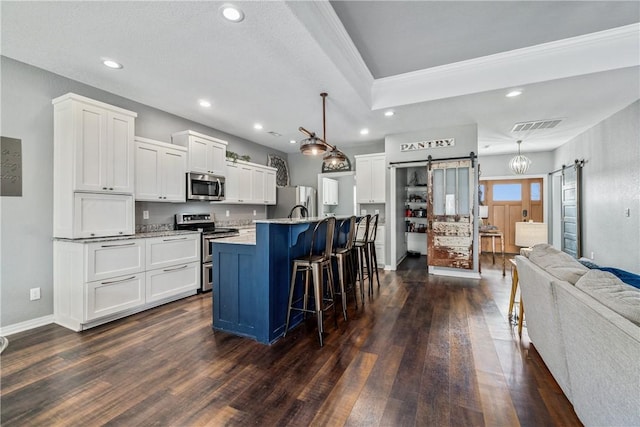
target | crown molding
[
  {"x": 591, "y": 53},
  {"x": 325, "y": 27}
]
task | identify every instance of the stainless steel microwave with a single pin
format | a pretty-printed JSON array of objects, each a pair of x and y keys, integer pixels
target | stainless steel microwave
[{"x": 205, "y": 187}]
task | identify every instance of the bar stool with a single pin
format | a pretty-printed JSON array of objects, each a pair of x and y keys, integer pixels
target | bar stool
[
  {"x": 344, "y": 258},
  {"x": 315, "y": 263},
  {"x": 362, "y": 254},
  {"x": 371, "y": 249}
]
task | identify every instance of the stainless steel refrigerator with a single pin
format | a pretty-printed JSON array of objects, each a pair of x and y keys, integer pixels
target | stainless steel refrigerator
[{"x": 288, "y": 197}]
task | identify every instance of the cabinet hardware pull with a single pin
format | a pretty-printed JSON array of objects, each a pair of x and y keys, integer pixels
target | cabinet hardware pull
[
  {"x": 111, "y": 188},
  {"x": 176, "y": 268},
  {"x": 118, "y": 281},
  {"x": 177, "y": 238},
  {"x": 104, "y": 188},
  {"x": 115, "y": 246}
]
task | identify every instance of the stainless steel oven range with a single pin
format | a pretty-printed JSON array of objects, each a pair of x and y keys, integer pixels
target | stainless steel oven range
[{"x": 206, "y": 224}]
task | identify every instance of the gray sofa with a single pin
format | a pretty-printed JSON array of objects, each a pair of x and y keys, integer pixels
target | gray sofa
[{"x": 585, "y": 324}]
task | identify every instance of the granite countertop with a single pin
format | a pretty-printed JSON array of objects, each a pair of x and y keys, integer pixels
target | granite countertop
[
  {"x": 243, "y": 239},
  {"x": 287, "y": 221},
  {"x": 150, "y": 234}
]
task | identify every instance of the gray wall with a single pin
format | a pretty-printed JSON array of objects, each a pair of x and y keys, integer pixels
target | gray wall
[
  {"x": 611, "y": 184},
  {"x": 26, "y": 230},
  {"x": 466, "y": 141},
  {"x": 498, "y": 166},
  {"x": 304, "y": 170}
]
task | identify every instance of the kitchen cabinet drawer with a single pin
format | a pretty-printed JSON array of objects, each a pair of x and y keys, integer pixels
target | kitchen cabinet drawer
[
  {"x": 106, "y": 260},
  {"x": 168, "y": 251},
  {"x": 108, "y": 297},
  {"x": 167, "y": 282}
]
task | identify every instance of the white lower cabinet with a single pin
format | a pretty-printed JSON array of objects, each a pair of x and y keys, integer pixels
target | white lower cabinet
[
  {"x": 104, "y": 298},
  {"x": 96, "y": 282},
  {"x": 380, "y": 246},
  {"x": 167, "y": 282},
  {"x": 167, "y": 251},
  {"x": 116, "y": 258}
]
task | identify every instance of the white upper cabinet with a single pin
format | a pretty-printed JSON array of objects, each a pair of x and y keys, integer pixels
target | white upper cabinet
[
  {"x": 93, "y": 168},
  {"x": 101, "y": 215},
  {"x": 270, "y": 186},
  {"x": 370, "y": 178},
  {"x": 160, "y": 171},
  {"x": 94, "y": 145},
  {"x": 250, "y": 183},
  {"x": 206, "y": 154},
  {"x": 257, "y": 186},
  {"x": 329, "y": 191}
]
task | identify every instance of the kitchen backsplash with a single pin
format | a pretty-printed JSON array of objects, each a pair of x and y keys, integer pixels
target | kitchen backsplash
[{"x": 162, "y": 215}]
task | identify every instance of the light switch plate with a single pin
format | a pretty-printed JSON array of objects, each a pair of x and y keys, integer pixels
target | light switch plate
[{"x": 145, "y": 214}]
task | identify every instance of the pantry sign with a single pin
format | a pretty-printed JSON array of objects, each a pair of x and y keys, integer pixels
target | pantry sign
[{"x": 424, "y": 145}]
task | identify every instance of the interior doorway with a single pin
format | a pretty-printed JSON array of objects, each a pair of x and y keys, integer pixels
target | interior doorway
[{"x": 511, "y": 201}]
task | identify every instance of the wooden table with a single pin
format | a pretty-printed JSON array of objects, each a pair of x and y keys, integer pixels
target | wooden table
[
  {"x": 512, "y": 297},
  {"x": 493, "y": 234}
]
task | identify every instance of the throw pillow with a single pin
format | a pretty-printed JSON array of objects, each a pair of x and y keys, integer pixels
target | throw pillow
[{"x": 613, "y": 293}]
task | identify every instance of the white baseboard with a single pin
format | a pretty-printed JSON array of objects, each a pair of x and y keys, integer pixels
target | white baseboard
[
  {"x": 443, "y": 271},
  {"x": 26, "y": 325}
]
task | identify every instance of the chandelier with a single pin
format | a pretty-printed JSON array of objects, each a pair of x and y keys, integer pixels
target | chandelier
[
  {"x": 519, "y": 164},
  {"x": 334, "y": 160}
]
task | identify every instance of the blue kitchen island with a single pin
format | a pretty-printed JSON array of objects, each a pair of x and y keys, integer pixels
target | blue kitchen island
[{"x": 251, "y": 278}]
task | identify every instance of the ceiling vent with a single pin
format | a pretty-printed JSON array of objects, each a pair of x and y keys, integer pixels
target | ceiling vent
[{"x": 536, "y": 125}]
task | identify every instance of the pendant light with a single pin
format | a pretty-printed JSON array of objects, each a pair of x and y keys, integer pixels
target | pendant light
[
  {"x": 519, "y": 164},
  {"x": 335, "y": 160}
]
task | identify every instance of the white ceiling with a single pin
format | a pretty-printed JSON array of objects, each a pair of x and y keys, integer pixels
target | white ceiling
[{"x": 435, "y": 64}]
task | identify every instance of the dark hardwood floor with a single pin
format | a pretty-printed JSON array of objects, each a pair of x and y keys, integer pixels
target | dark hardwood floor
[{"x": 425, "y": 351}]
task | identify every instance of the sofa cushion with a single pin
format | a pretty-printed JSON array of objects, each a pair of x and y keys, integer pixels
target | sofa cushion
[
  {"x": 612, "y": 292},
  {"x": 625, "y": 276},
  {"x": 557, "y": 263}
]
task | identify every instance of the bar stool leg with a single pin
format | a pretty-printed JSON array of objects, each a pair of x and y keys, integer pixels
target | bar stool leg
[
  {"x": 341, "y": 278},
  {"x": 317, "y": 288},
  {"x": 332, "y": 293},
  {"x": 361, "y": 272},
  {"x": 291, "y": 290},
  {"x": 369, "y": 267},
  {"x": 352, "y": 276}
]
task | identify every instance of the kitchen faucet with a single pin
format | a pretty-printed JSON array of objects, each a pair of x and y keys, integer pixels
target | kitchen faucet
[{"x": 303, "y": 211}]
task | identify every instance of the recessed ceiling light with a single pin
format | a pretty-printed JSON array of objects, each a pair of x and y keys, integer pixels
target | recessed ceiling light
[
  {"x": 205, "y": 103},
  {"x": 514, "y": 93},
  {"x": 293, "y": 141},
  {"x": 112, "y": 64},
  {"x": 389, "y": 113},
  {"x": 257, "y": 126},
  {"x": 364, "y": 132},
  {"x": 231, "y": 13}
]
